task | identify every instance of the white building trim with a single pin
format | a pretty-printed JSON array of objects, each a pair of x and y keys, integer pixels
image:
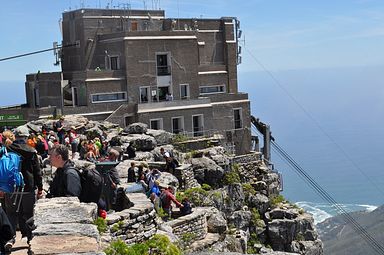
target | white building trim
[
  {"x": 106, "y": 79},
  {"x": 230, "y": 41},
  {"x": 160, "y": 37},
  {"x": 232, "y": 102},
  {"x": 210, "y": 31},
  {"x": 173, "y": 108},
  {"x": 213, "y": 72},
  {"x": 124, "y": 17}
]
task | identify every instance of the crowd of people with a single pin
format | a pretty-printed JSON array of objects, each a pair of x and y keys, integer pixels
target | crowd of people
[{"x": 60, "y": 146}]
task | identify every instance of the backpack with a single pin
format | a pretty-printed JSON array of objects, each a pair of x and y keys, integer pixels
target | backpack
[
  {"x": 91, "y": 185},
  {"x": 10, "y": 175},
  {"x": 163, "y": 199}
]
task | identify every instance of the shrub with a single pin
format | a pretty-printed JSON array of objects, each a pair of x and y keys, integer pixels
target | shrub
[
  {"x": 253, "y": 239},
  {"x": 248, "y": 189},
  {"x": 206, "y": 186},
  {"x": 101, "y": 225},
  {"x": 231, "y": 177},
  {"x": 157, "y": 245},
  {"x": 195, "y": 195},
  {"x": 275, "y": 200}
]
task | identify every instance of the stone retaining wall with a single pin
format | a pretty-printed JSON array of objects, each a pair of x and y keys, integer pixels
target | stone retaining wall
[
  {"x": 192, "y": 226},
  {"x": 135, "y": 224},
  {"x": 246, "y": 158}
]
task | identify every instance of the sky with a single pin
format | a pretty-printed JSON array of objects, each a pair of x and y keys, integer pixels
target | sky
[{"x": 308, "y": 65}]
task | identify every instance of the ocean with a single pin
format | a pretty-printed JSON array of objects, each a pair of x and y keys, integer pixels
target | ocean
[{"x": 333, "y": 128}]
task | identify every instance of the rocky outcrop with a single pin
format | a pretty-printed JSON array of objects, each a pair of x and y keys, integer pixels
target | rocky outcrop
[
  {"x": 67, "y": 222},
  {"x": 240, "y": 212}
]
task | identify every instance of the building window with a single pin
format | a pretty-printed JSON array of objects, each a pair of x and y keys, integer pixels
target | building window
[
  {"x": 162, "y": 65},
  {"x": 197, "y": 125},
  {"x": 214, "y": 89},
  {"x": 36, "y": 96},
  {"x": 144, "y": 94},
  {"x": 156, "y": 124},
  {"x": 109, "y": 97},
  {"x": 177, "y": 125},
  {"x": 184, "y": 91},
  {"x": 114, "y": 62},
  {"x": 237, "y": 115}
]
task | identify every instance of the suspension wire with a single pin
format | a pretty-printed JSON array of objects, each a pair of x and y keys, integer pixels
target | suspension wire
[
  {"x": 317, "y": 124},
  {"x": 378, "y": 248},
  {"x": 371, "y": 241},
  {"x": 36, "y": 52}
]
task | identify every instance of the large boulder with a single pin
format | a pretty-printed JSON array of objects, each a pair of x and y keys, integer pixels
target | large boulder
[
  {"x": 144, "y": 156},
  {"x": 259, "y": 201},
  {"x": 136, "y": 128},
  {"x": 241, "y": 219},
  {"x": 74, "y": 120},
  {"x": 167, "y": 179},
  {"x": 217, "y": 223},
  {"x": 161, "y": 136},
  {"x": 207, "y": 171},
  {"x": 144, "y": 143}
]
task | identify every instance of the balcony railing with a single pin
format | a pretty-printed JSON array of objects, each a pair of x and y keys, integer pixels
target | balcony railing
[{"x": 163, "y": 70}]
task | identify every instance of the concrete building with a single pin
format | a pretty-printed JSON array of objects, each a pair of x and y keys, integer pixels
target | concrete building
[{"x": 129, "y": 66}]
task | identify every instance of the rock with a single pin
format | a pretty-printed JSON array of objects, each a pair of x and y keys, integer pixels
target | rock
[
  {"x": 157, "y": 155},
  {"x": 63, "y": 210},
  {"x": 144, "y": 143},
  {"x": 307, "y": 247},
  {"x": 161, "y": 136},
  {"x": 207, "y": 171},
  {"x": 78, "y": 229},
  {"x": 281, "y": 233},
  {"x": 144, "y": 156},
  {"x": 136, "y": 128},
  {"x": 83, "y": 164},
  {"x": 241, "y": 219},
  {"x": 217, "y": 224},
  {"x": 167, "y": 179},
  {"x": 259, "y": 201},
  {"x": 64, "y": 244},
  {"x": 236, "y": 195},
  {"x": 91, "y": 133},
  {"x": 74, "y": 120}
]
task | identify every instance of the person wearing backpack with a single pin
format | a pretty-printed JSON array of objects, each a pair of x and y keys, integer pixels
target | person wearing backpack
[
  {"x": 166, "y": 198},
  {"x": 6, "y": 232},
  {"x": 66, "y": 182},
  {"x": 20, "y": 210}
]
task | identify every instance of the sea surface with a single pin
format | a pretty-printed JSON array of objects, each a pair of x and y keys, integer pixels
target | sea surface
[{"x": 330, "y": 121}]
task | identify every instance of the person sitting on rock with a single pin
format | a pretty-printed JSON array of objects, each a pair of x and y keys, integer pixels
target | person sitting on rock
[{"x": 132, "y": 173}]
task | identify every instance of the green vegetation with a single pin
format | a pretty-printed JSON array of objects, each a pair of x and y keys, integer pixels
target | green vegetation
[
  {"x": 157, "y": 245},
  {"x": 256, "y": 218},
  {"x": 300, "y": 237},
  {"x": 251, "y": 242},
  {"x": 231, "y": 177},
  {"x": 187, "y": 239},
  {"x": 275, "y": 200},
  {"x": 206, "y": 186},
  {"x": 101, "y": 225},
  {"x": 248, "y": 189},
  {"x": 117, "y": 226},
  {"x": 179, "y": 138},
  {"x": 195, "y": 195}
]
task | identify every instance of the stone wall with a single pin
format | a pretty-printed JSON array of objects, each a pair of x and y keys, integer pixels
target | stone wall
[
  {"x": 67, "y": 222},
  {"x": 192, "y": 226},
  {"x": 132, "y": 225}
]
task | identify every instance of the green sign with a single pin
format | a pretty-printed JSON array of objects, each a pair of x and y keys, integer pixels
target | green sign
[{"x": 11, "y": 117}]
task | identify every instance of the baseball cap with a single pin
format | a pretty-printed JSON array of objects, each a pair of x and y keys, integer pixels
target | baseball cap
[{"x": 21, "y": 131}]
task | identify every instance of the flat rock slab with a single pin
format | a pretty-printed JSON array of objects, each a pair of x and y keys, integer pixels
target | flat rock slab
[
  {"x": 64, "y": 244},
  {"x": 79, "y": 229},
  {"x": 64, "y": 210}
]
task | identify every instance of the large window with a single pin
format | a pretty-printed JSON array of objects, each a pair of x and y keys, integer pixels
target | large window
[
  {"x": 214, "y": 89},
  {"x": 197, "y": 125},
  {"x": 109, "y": 97},
  {"x": 114, "y": 62},
  {"x": 184, "y": 91},
  {"x": 177, "y": 125},
  {"x": 144, "y": 94},
  {"x": 237, "y": 115},
  {"x": 162, "y": 65},
  {"x": 156, "y": 124}
]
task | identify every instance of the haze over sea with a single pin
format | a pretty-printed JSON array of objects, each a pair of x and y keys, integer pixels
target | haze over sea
[{"x": 347, "y": 104}]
